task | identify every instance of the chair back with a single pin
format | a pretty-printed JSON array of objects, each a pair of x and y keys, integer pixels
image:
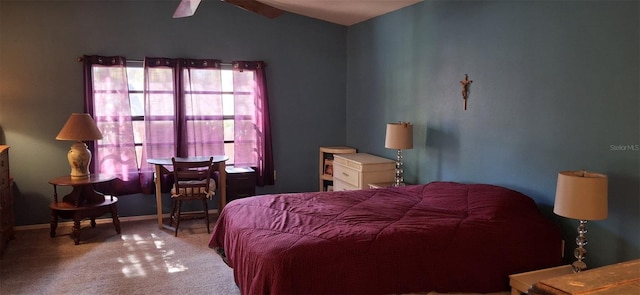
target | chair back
[{"x": 192, "y": 179}]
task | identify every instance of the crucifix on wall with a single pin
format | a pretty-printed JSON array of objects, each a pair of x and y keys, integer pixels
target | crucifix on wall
[{"x": 465, "y": 89}]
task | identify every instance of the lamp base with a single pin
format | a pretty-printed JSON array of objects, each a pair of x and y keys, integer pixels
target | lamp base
[
  {"x": 399, "y": 180},
  {"x": 79, "y": 158},
  {"x": 580, "y": 252}
]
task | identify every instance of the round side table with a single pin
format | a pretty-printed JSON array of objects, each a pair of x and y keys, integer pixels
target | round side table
[{"x": 82, "y": 202}]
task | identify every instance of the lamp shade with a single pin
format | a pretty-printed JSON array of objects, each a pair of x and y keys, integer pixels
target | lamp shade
[
  {"x": 581, "y": 195},
  {"x": 79, "y": 127},
  {"x": 399, "y": 136}
]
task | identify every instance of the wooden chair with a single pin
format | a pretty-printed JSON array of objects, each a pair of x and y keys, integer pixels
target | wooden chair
[{"x": 192, "y": 182}]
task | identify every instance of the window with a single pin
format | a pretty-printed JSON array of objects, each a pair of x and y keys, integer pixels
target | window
[
  {"x": 135, "y": 79},
  {"x": 176, "y": 107}
]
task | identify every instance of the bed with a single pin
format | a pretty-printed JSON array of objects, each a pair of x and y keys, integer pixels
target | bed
[{"x": 441, "y": 236}]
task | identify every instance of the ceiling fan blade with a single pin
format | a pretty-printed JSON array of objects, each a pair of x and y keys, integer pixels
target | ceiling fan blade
[
  {"x": 257, "y": 7},
  {"x": 186, "y": 8}
]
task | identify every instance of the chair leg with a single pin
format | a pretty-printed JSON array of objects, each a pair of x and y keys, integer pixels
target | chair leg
[
  {"x": 206, "y": 214},
  {"x": 179, "y": 207},
  {"x": 172, "y": 216}
]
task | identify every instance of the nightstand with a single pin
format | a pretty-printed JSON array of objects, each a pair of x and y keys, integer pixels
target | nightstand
[
  {"x": 356, "y": 171},
  {"x": 522, "y": 282},
  {"x": 241, "y": 183}
]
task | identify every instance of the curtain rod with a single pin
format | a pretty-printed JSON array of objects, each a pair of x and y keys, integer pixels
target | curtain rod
[{"x": 80, "y": 59}]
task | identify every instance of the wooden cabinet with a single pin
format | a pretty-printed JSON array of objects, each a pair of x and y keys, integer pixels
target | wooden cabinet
[
  {"x": 356, "y": 171},
  {"x": 619, "y": 278},
  {"x": 241, "y": 182},
  {"x": 6, "y": 200},
  {"x": 522, "y": 282},
  {"x": 325, "y": 165}
]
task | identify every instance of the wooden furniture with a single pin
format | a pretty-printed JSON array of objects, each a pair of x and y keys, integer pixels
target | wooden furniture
[
  {"x": 325, "y": 165},
  {"x": 522, "y": 282},
  {"x": 619, "y": 278},
  {"x": 6, "y": 200},
  {"x": 82, "y": 202},
  {"x": 356, "y": 171},
  {"x": 192, "y": 182},
  {"x": 384, "y": 184},
  {"x": 219, "y": 165},
  {"x": 241, "y": 183}
]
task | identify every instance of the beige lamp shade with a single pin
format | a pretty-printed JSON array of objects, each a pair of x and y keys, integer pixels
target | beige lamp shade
[
  {"x": 79, "y": 127},
  {"x": 399, "y": 136},
  {"x": 581, "y": 195}
]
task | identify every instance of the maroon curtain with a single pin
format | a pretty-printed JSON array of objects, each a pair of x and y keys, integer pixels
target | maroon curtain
[
  {"x": 250, "y": 77},
  {"x": 107, "y": 101}
]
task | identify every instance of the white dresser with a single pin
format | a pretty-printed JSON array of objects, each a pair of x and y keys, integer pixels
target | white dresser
[{"x": 356, "y": 171}]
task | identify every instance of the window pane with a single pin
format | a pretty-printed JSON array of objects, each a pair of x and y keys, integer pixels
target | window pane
[
  {"x": 138, "y": 131},
  {"x": 227, "y": 80},
  {"x": 227, "y": 104},
  {"x": 135, "y": 77},
  {"x": 139, "y": 155},
  {"x": 228, "y": 130},
  {"x": 137, "y": 104},
  {"x": 229, "y": 152},
  {"x": 161, "y": 104},
  {"x": 202, "y": 104}
]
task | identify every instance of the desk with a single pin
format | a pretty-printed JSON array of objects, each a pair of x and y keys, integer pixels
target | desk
[
  {"x": 82, "y": 202},
  {"x": 219, "y": 164}
]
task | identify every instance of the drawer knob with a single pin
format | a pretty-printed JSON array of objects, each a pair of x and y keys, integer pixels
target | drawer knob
[{"x": 345, "y": 174}]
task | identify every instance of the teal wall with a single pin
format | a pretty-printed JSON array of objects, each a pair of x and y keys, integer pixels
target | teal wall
[
  {"x": 555, "y": 87},
  {"x": 41, "y": 81}
]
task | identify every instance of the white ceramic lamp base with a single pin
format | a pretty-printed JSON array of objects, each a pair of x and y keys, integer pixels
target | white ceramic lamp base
[{"x": 79, "y": 158}]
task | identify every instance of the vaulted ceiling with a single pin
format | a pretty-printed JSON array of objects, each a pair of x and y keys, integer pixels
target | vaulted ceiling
[{"x": 343, "y": 12}]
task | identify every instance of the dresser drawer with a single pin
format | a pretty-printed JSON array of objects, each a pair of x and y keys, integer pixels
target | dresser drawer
[
  {"x": 339, "y": 185},
  {"x": 346, "y": 174},
  {"x": 347, "y": 163},
  {"x": 4, "y": 179}
]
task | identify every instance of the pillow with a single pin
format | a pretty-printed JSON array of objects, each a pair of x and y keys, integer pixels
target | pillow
[{"x": 494, "y": 202}]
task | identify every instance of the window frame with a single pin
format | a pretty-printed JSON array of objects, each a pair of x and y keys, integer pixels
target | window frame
[{"x": 228, "y": 96}]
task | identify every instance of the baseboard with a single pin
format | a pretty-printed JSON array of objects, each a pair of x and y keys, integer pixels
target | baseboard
[{"x": 100, "y": 221}]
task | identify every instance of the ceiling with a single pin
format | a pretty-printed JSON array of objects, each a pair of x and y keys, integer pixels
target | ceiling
[{"x": 343, "y": 12}]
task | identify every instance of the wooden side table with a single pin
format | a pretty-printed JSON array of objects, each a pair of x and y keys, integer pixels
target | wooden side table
[
  {"x": 522, "y": 282},
  {"x": 619, "y": 278},
  {"x": 82, "y": 202}
]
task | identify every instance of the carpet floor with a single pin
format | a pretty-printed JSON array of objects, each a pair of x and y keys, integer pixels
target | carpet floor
[{"x": 141, "y": 260}]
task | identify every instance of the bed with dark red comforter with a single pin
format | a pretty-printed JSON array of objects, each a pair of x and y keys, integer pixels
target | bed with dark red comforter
[{"x": 441, "y": 236}]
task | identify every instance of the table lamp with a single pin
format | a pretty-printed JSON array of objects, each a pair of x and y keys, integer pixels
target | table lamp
[
  {"x": 581, "y": 195},
  {"x": 399, "y": 136},
  {"x": 79, "y": 127}
]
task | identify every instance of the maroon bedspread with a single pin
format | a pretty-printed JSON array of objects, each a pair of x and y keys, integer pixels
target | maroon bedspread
[{"x": 442, "y": 236}]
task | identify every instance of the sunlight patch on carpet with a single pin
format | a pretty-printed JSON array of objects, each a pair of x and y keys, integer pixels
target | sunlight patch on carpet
[{"x": 144, "y": 255}]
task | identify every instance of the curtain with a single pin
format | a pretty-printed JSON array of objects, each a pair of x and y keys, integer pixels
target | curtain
[
  {"x": 252, "y": 124},
  {"x": 184, "y": 116},
  {"x": 183, "y": 110},
  {"x": 107, "y": 101}
]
